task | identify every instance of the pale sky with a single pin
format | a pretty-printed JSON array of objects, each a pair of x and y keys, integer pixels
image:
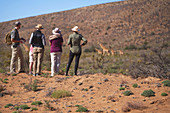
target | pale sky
[{"x": 16, "y": 9}]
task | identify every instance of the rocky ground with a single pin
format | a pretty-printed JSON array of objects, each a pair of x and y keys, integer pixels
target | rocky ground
[{"x": 98, "y": 93}]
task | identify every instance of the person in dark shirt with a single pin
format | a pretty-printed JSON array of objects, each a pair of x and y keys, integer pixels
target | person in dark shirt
[{"x": 37, "y": 40}]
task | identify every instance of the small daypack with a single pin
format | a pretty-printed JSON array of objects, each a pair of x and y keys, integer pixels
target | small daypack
[{"x": 8, "y": 38}]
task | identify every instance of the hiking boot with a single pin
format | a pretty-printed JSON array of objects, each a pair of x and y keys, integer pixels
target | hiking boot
[
  {"x": 21, "y": 72},
  {"x": 34, "y": 75}
]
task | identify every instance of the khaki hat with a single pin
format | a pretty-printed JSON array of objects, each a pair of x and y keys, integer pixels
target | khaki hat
[
  {"x": 17, "y": 23},
  {"x": 39, "y": 26},
  {"x": 75, "y": 28}
]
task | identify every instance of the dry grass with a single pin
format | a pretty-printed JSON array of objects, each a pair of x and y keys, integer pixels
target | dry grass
[{"x": 132, "y": 105}]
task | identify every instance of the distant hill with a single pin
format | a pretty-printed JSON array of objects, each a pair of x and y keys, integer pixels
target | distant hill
[{"x": 116, "y": 24}]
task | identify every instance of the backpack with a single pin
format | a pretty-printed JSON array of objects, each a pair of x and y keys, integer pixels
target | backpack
[{"x": 8, "y": 38}]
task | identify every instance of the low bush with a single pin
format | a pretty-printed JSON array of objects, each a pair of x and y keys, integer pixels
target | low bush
[
  {"x": 133, "y": 105},
  {"x": 33, "y": 109},
  {"x": 135, "y": 85},
  {"x": 148, "y": 93},
  {"x": 81, "y": 109},
  {"x": 166, "y": 83},
  {"x": 8, "y": 105},
  {"x": 127, "y": 93},
  {"x": 36, "y": 103},
  {"x": 31, "y": 86},
  {"x": 17, "y": 112},
  {"x": 164, "y": 94},
  {"x": 121, "y": 88},
  {"x": 61, "y": 94},
  {"x": 24, "y": 107}
]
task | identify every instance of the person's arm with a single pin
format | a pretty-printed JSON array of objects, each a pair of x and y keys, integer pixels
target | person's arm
[
  {"x": 61, "y": 40},
  {"x": 69, "y": 41},
  {"x": 43, "y": 40},
  {"x": 30, "y": 41},
  {"x": 84, "y": 41}
]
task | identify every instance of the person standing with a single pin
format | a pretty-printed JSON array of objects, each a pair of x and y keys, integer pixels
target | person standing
[
  {"x": 56, "y": 41},
  {"x": 30, "y": 60},
  {"x": 37, "y": 40},
  {"x": 16, "y": 50},
  {"x": 75, "y": 48}
]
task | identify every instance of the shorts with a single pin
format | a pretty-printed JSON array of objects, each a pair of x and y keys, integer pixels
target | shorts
[{"x": 30, "y": 57}]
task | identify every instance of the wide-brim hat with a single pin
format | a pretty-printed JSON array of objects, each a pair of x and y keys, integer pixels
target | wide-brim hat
[
  {"x": 56, "y": 30},
  {"x": 39, "y": 26},
  {"x": 75, "y": 28},
  {"x": 17, "y": 23}
]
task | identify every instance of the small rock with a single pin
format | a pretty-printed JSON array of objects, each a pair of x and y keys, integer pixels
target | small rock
[
  {"x": 120, "y": 96},
  {"x": 91, "y": 87},
  {"x": 68, "y": 111},
  {"x": 74, "y": 88},
  {"x": 91, "y": 98},
  {"x": 1, "y": 94},
  {"x": 158, "y": 85},
  {"x": 80, "y": 83},
  {"x": 113, "y": 100},
  {"x": 113, "y": 111},
  {"x": 121, "y": 85},
  {"x": 105, "y": 80},
  {"x": 99, "y": 83},
  {"x": 92, "y": 93},
  {"x": 83, "y": 96},
  {"x": 141, "y": 82},
  {"x": 91, "y": 90},
  {"x": 133, "y": 97},
  {"x": 152, "y": 102}
]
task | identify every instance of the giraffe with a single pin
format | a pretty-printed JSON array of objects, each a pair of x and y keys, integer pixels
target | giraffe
[
  {"x": 105, "y": 50},
  {"x": 98, "y": 51},
  {"x": 120, "y": 52},
  {"x": 113, "y": 52}
]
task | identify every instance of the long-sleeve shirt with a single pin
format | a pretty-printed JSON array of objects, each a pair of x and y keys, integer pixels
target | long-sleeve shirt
[{"x": 75, "y": 40}]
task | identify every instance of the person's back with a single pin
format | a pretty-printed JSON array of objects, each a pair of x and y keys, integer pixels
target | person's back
[{"x": 75, "y": 48}]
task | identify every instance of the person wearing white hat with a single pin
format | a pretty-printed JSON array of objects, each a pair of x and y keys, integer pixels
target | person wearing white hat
[
  {"x": 37, "y": 40},
  {"x": 56, "y": 41},
  {"x": 75, "y": 48}
]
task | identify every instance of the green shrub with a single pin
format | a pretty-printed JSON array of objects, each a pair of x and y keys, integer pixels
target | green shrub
[
  {"x": 2, "y": 70},
  {"x": 135, "y": 85},
  {"x": 34, "y": 85},
  {"x": 85, "y": 89},
  {"x": 148, "y": 93},
  {"x": 14, "y": 74},
  {"x": 36, "y": 103},
  {"x": 8, "y": 105},
  {"x": 169, "y": 91},
  {"x": 24, "y": 107},
  {"x": 164, "y": 94},
  {"x": 121, "y": 88},
  {"x": 166, "y": 83},
  {"x": 152, "y": 33},
  {"x": 60, "y": 94},
  {"x": 16, "y": 107},
  {"x": 127, "y": 93},
  {"x": 31, "y": 86},
  {"x": 33, "y": 109},
  {"x": 81, "y": 109},
  {"x": 17, "y": 112}
]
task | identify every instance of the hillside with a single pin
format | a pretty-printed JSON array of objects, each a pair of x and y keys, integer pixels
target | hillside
[
  {"x": 116, "y": 25},
  {"x": 98, "y": 93}
]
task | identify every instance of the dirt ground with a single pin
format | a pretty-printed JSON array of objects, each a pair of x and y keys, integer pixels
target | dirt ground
[{"x": 102, "y": 94}]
